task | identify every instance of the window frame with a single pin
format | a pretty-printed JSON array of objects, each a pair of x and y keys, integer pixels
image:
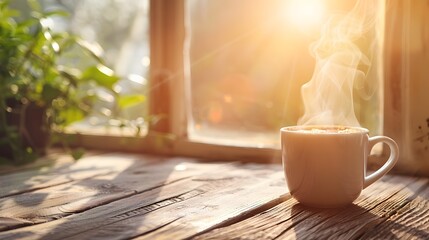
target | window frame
[{"x": 167, "y": 74}]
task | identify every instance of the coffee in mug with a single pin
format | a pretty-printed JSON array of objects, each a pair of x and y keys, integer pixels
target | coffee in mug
[{"x": 325, "y": 166}]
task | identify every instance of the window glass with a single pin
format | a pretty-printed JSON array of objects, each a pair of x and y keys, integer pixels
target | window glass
[
  {"x": 117, "y": 30},
  {"x": 247, "y": 63}
]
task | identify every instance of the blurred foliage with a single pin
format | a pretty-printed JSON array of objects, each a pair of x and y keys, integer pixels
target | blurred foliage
[{"x": 32, "y": 71}]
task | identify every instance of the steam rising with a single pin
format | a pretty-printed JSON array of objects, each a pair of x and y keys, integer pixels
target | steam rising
[{"x": 343, "y": 58}]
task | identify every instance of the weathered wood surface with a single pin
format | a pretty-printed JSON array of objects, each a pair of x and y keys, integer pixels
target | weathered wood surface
[{"x": 122, "y": 196}]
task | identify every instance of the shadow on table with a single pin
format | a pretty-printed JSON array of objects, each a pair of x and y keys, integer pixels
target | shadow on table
[
  {"x": 76, "y": 204},
  {"x": 18, "y": 180},
  {"x": 352, "y": 222}
]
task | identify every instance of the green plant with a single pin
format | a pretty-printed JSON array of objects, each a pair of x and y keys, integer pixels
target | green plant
[{"x": 33, "y": 73}]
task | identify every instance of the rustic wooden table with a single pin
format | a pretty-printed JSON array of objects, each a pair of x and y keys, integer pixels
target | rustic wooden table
[{"x": 122, "y": 196}]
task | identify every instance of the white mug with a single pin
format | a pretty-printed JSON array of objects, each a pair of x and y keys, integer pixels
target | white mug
[{"x": 325, "y": 166}]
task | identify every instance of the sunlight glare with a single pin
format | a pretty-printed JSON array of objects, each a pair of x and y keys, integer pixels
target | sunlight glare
[
  {"x": 227, "y": 98},
  {"x": 305, "y": 13},
  {"x": 180, "y": 167}
]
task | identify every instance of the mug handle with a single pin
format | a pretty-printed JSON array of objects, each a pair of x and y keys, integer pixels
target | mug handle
[{"x": 393, "y": 158}]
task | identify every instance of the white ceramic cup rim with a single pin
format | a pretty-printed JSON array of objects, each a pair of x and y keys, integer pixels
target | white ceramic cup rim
[{"x": 296, "y": 129}]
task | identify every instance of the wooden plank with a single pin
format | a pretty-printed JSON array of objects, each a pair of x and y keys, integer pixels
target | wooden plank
[
  {"x": 290, "y": 220},
  {"x": 55, "y": 158},
  {"x": 352, "y": 222},
  {"x": 65, "y": 171},
  {"x": 49, "y": 160},
  {"x": 221, "y": 206},
  {"x": 95, "y": 220},
  {"x": 409, "y": 222},
  {"x": 144, "y": 197},
  {"x": 181, "y": 209},
  {"x": 59, "y": 201}
]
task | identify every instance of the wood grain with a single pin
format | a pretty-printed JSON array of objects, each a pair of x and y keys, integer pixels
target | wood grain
[
  {"x": 411, "y": 221},
  {"x": 127, "y": 196},
  {"x": 80, "y": 194},
  {"x": 179, "y": 204},
  {"x": 290, "y": 220},
  {"x": 61, "y": 172}
]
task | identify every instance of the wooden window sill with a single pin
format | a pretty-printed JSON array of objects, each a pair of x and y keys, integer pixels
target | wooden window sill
[{"x": 118, "y": 195}]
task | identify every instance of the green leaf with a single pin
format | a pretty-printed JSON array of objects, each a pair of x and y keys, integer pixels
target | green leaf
[
  {"x": 101, "y": 74},
  {"x": 50, "y": 92},
  {"x": 8, "y": 14},
  {"x": 35, "y": 5},
  {"x": 78, "y": 153},
  {"x": 56, "y": 13},
  {"x": 130, "y": 100},
  {"x": 24, "y": 25},
  {"x": 71, "y": 74},
  {"x": 71, "y": 115},
  {"x": 93, "y": 49}
]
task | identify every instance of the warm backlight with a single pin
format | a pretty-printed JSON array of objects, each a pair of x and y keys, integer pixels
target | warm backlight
[{"x": 305, "y": 13}]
